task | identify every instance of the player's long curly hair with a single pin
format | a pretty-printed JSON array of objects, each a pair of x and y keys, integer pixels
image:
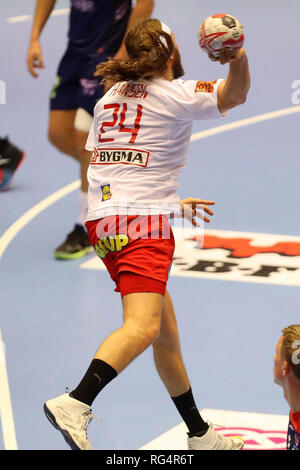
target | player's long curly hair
[{"x": 148, "y": 48}]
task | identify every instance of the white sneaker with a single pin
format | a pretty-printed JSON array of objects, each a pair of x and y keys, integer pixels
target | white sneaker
[
  {"x": 212, "y": 440},
  {"x": 71, "y": 417}
]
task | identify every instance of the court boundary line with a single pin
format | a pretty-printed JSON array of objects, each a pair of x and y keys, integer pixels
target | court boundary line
[
  {"x": 246, "y": 122},
  {"x": 29, "y": 215}
]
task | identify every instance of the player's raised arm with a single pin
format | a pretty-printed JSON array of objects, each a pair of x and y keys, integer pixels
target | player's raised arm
[
  {"x": 234, "y": 90},
  {"x": 222, "y": 36},
  {"x": 43, "y": 9}
]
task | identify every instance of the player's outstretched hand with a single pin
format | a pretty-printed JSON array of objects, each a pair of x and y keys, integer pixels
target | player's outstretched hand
[
  {"x": 191, "y": 209},
  {"x": 227, "y": 56},
  {"x": 34, "y": 58}
]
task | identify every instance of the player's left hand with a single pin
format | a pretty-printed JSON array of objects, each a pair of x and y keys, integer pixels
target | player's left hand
[
  {"x": 227, "y": 56},
  {"x": 191, "y": 207}
]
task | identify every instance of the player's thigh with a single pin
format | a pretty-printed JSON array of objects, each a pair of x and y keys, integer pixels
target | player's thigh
[{"x": 143, "y": 310}]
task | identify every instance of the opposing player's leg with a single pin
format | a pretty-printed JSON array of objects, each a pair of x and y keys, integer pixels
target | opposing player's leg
[
  {"x": 83, "y": 123},
  {"x": 61, "y": 132},
  {"x": 71, "y": 414},
  {"x": 64, "y": 104},
  {"x": 171, "y": 369},
  {"x": 65, "y": 100},
  {"x": 64, "y": 136}
]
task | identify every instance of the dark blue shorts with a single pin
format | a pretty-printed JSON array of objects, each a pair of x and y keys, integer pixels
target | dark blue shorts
[{"x": 76, "y": 86}]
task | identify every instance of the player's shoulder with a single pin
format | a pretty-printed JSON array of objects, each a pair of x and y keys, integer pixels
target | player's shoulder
[
  {"x": 175, "y": 89},
  {"x": 183, "y": 86},
  {"x": 194, "y": 87}
]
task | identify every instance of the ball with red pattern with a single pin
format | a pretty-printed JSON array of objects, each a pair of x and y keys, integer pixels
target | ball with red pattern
[{"x": 221, "y": 31}]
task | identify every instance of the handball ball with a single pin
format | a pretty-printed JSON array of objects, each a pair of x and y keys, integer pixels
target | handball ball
[{"x": 221, "y": 31}]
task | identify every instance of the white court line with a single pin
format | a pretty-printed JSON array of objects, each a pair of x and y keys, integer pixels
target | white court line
[
  {"x": 17, "y": 226},
  {"x": 23, "y": 18},
  {"x": 6, "y": 412},
  {"x": 20, "y": 223},
  {"x": 246, "y": 122}
]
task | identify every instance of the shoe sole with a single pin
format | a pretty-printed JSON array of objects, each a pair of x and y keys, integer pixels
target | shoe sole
[
  {"x": 65, "y": 433},
  {"x": 67, "y": 256},
  {"x": 6, "y": 188}
]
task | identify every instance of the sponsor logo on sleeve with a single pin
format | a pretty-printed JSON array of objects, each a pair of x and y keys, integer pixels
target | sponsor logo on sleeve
[{"x": 205, "y": 87}]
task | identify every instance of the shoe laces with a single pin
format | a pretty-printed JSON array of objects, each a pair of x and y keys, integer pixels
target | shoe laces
[
  {"x": 88, "y": 415},
  {"x": 220, "y": 438},
  {"x": 213, "y": 425}
]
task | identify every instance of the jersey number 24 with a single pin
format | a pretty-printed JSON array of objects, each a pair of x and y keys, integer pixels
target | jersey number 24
[{"x": 121, "y": 116}]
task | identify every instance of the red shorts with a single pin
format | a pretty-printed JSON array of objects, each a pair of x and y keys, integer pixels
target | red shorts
[{"x": 136, "y": 250}]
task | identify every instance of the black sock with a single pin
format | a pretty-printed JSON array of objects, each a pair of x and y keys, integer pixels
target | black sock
[
  {"x": 98, "y": 375},
  {"x": 186, "y": 406}
]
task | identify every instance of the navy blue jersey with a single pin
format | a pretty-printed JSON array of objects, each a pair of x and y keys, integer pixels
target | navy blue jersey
[
  {"x": 293, "y": 436},
  {"x": 98, "y": 26}
]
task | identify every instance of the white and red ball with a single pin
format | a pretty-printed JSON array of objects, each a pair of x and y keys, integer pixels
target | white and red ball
[{"x": 221, "y": 31}]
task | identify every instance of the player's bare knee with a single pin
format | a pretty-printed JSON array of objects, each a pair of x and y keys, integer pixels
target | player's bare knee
[
  {"x": 147, "y": 332},
  {"x": 153, "y": 333},
  {"x": 54, "y": 137}
]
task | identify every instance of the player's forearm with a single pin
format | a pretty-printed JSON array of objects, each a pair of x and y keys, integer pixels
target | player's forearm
[
  {"x": 43, "y": 9},
  {"x": 237, "y": 84},
  {"x": 140, "y": 12}
]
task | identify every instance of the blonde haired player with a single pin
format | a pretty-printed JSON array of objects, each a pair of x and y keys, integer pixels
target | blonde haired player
[
  {"x": 287, "y": 375},
  {"x": 139, "y": 139}
]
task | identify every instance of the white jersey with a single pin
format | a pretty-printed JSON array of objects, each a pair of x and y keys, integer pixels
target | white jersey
[{"x": 140, "y": 138}]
